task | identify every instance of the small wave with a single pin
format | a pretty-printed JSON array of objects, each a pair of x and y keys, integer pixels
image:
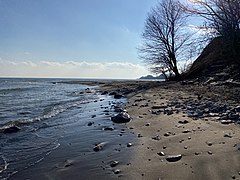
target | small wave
[
  {"x": 54, "y": 111},
  {"x": 3, "y": 164},
  {"x": 14, "y": 90}
]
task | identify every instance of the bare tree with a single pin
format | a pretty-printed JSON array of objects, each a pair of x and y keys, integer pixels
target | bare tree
[
  {"x": 165, "y": 39},
  {"x": 222, "y": 17}
]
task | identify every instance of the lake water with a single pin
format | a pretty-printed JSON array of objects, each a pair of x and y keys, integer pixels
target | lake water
[{"x": 53, "y": 117}]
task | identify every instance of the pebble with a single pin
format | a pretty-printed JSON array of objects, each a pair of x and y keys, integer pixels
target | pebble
[
  {"x": 227, "y": 135},
  {"x": 197, "y": 153},
  {"x": 209, "y": 143},
  {"x": 174, "y": 158},
  {"x": 114, "y": 163},
  {"x": 116, "y": 171},
  {"x": 161, "y": 153},
  {"x": 186, "y": 131},
  {"x": 210, "y": 152},
  {"x": 148, "y": 124},
  {"x": 129, "y": 144}
]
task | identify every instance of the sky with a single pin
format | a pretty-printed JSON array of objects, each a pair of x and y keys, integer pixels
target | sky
[{"x": 72, "y": 38}]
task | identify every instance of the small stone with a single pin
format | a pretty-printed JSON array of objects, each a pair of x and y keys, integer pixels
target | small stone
[
  {"x": 226, "y": 121},
  {"x": 161, "y": 153},
  {"x": 189, "y": 138},
  {"x": 167, "y": 134},
  {"x": 116, "y": 171},
  {"x": 114, "y": 163},
  {"x": 186, "y": 131},
  {"x": 93, "y": 116},
  {"x": 185, "y": 147},
  {"x": 197, "y": 153},
  {"x": 139, "y": 135},
  {"x": 108, "y": 128},
  {"x": 90, "y": 123},
  {"x": 164, "y": 147},
  {"x": 227, "y": 135},
  {"x": 157, "y": 138},
  {"x": 209, "y": 143},
  {"x": 148, "y": 124},
  {"x": 98, "y": 147},
  {"x": 11, "y": 129},
  {"x": 183, "y": 122},
  {"x": 233, "y": 177},
  {"x": 174, "y": 158},
  {"x": 210, "y": 152},
  {"x": 129, "y": 144}
]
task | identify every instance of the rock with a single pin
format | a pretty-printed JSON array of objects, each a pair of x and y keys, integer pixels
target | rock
[
  {"x": 183, "y": 122},
  {"x": 186, "y": 131},
  {"x": 237, "y": 109},
  {"x": 157, "y": 138},
  {"x": 93, "y": 116},
  {"x": 108, "y": 128},
  {"x": 167, "y": 134},
  {"x": 161, "y": 153},
  {"x": 116, "y": 171},
  {"x": 226, "y": 121},
  {"x": 129, "y": 144},
  {"x": 174, "y": 158},
  {"x": 11, "y": 129},
  {"x": 112, "y": 93},
  {"x": 227, "y": 135},
  {"x": 90, "y": 123},
  {"x": 122, "y": 117},
  {"x": 114, "y": 163},
  {"x": 210, "y": 152},
  {"x": 98, "y": 147},
  {"x": 209, "y": 143},
  {"x": 118, "y": 96},
  {"x": 104, "y": 93},
  {"x": 159, "y": 107},
  {"x": 148, "y": 124}
]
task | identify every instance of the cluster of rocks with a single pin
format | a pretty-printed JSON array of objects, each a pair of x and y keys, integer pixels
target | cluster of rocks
[{"x": 201, "y": 109}]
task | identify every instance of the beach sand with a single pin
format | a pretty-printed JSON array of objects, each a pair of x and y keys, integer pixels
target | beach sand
[{"x": 208, "y": 148}]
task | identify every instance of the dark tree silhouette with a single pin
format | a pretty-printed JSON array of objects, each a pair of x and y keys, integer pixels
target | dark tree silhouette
[
  {"x": 222, "y": 18},
  {"x": 165, "y": 40}
]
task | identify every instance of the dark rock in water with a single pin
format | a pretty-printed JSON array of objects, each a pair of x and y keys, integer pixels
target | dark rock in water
[
  {"x": 122, "y": 117},
  {"x": 114, "y": 163},
  {"x": 118, "y": 96},
  {"x": 90, "y": 123},
  {"x": 104, "y": 93},
  {"x": 174, "y": 158},
  {"x": 11, "y": 129},
  {"x": 237, "y": 109}
]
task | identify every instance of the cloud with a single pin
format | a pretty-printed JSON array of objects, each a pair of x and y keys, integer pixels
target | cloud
[{"x": 71, "y": 69}]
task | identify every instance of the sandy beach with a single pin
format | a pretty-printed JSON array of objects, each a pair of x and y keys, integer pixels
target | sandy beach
[{"x": 207, "y": 146}]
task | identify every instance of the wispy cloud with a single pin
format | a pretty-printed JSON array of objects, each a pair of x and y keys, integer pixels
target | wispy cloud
[{"x": 71, "y": 69}]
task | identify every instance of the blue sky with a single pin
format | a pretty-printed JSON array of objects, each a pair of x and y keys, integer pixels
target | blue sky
[{"x": 77, "y": 31}]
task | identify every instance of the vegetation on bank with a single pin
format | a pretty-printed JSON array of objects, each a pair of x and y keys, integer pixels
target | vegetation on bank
[{"x": 166, "y": 40}]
